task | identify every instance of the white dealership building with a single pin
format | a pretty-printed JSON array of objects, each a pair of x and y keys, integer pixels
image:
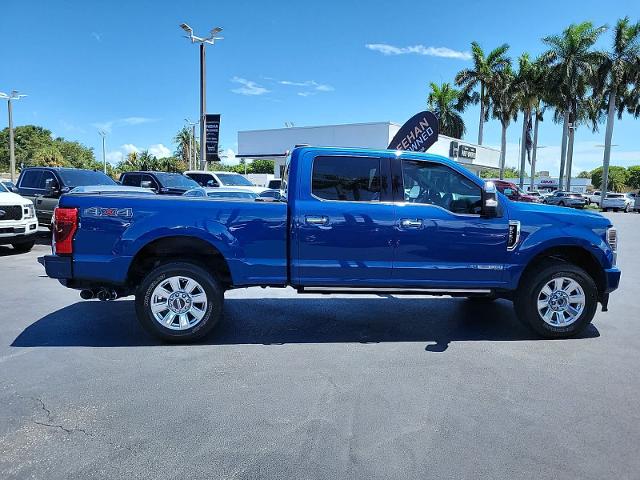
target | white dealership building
[{"x": 274, "y": 144}]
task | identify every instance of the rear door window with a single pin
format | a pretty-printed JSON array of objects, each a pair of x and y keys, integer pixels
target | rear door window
[
  {"x": 349, "y": 179},
  {"x": 31, "y": 179},
  {"x": 131, "y": 179}
]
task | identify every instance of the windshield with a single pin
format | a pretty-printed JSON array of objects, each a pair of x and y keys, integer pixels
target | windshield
[
  {"x": 80, "y": 178},
  {"x": 231, "y": 195},
  {"x": 3, "y": 188},
  {"x": 234, "y": 179},
  {"x": 176, "y": 180}
]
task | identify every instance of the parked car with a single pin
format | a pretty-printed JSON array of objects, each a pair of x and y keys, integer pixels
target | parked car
[
  {"x": 594, "y": 198},
  {"x": 221, "y": 193},
  {"x": 275, "y": 194},
  {"x": 275, "y": 184},
  {"x": 355, "y": 220},
  {"x": 113, "y": 190},
  {"x": 616, "y": 202},
  {"x": 162, "y": 183},
  {"x": 18, "y": 221},
  {"x": 45, "y": 185},
  {"x": 636, "y": 204},
  {"x": 9, "y": 184},
  {"x": 223, "y": 179},
  {"x": 566, "y": 199},
  {"x": 513, "y": 192},
  {"x": 535, "y": 194}
]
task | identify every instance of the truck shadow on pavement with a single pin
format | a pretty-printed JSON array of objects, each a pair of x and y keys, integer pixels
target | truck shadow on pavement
[{"x": 275, "y": 321}]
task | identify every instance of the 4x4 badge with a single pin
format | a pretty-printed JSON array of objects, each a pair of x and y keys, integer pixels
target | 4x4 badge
[{"x": 108, "y": 212}]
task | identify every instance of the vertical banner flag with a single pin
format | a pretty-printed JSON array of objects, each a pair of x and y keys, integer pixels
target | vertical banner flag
[
  {"x": 212, "y": 135},
  {"x": 417, "y": 134}
]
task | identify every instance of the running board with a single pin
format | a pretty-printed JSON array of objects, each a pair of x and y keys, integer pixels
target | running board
[{"x": 397, "y": 291}]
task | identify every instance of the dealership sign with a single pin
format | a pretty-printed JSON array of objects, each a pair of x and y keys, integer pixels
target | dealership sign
[
  {"x": 464, "y": 152},
  {"x": 212, "y": 135},
  {"x": 417, "y": 134}
]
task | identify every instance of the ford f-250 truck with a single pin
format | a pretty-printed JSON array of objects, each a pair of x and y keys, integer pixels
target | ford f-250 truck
[{"x": 351, "y": 220}]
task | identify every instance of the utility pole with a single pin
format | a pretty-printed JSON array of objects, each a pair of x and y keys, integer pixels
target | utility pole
[
  {"x": 14, "y": 95},
  {"x": 103, "y": 134},
  {"x": 211, "y": 40}
]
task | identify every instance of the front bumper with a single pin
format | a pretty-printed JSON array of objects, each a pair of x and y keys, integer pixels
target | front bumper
[
  {"x": 17, "y": 231},
  {"x": 57, "y": 266},
  {"x": 612, "y": 277}
]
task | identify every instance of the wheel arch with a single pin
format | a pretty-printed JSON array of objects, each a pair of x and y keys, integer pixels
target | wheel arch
[{"x": 178, "y": 247}]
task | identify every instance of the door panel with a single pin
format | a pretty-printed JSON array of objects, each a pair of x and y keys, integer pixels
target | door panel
[
  {"x": 442, "y": 241},
  {"x": 344, "y": 223}
]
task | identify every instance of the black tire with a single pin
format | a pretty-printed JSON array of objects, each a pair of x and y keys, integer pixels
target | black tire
[
  {"x": 627, "y": 209},
  {"x": 525, "y": 301},
  {"x": 212, "y": 289},
  {"x": 561, "y": 204},
  {"x": 23, "y": 247}
]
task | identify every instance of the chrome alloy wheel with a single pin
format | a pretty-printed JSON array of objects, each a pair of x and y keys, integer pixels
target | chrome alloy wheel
[
  {"x": 561, "y": 302},
  {"x": 178, "y": 303}
]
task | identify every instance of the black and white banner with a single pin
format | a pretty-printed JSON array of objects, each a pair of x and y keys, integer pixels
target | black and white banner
[
  {"x": 212, "y": 136},
  {"x": 417, "y": 134}
]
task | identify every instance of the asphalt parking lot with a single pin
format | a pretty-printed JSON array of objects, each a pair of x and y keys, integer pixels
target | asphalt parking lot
[{"x": 328, "y": 387}]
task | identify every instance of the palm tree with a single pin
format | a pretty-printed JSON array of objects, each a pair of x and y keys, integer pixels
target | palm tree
[
  {"x": 572, "y": 63},
  {"x": 185, "y": 142},
  {"x": 619, "y": 69},
  {"x": 506, "y": 104},
  {"x": 447, "y": 103},
  {"x": 529, "y": 83},
  {"x": 482, "y": 74}
]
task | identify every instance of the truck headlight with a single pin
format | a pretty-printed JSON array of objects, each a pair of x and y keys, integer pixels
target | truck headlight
[
  {"x": 612, "y": 240},
  {"x": 29, "y": 211}
]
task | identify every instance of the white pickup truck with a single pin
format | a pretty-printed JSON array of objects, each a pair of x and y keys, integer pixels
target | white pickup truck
[
  {"x": 18, "y": 222},
  {"x": 594, "y": 197}
]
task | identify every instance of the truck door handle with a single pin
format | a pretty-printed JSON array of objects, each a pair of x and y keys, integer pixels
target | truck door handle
[
  {"x": 316, "y": 219},
  {"x": 411, "y": 223}
]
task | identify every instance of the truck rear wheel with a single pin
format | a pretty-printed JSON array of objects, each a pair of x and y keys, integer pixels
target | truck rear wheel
[
  {"x": 179, "y": 302},
  {"x": 558, "y": 300},
  {"x": 23, "y": 247}
]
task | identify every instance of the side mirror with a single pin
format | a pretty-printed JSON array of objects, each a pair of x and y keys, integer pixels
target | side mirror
[
  {"x": 489, "y": 200},
  {"x": 148, "y": 184},
  {"x": 212, "y": 183},
  {"x": 15, "y": 190},
  {"x": 51, "y": 188}
]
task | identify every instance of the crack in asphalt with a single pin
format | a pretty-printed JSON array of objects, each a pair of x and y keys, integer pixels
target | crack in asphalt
[{"x": 53, "y": 425}]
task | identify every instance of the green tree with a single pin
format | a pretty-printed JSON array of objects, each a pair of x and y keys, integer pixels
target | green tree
[
  {"x": 506, "y": 104},
  {"x": 572, "y": 64},
  {"x": 633, "y": 176},
  {"x": 618, "y": 177},
  {"x": 28, "y": 139},
  {"x": 482, "y": 75},
  {"x": 584, "y": 174},
  {"x": 184, "y": 141},
  {"x": 76, "y": 155},
  {"x": 48, "y": 156},
  {"x": 447, "y": 103},
  {"x": 618, "y": 69},
  {"x": 261, "y": 166}
]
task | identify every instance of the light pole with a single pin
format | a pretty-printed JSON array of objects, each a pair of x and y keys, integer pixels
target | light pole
[
  {"x": 14, "y": 95},
  {"x": 211, "y": 40},
  {"x": 192, "y": 144},
  {"x": 103, "y": 134}
]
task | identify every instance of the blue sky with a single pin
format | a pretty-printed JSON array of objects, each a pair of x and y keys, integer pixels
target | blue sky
[{"x": 124, "y": 66}]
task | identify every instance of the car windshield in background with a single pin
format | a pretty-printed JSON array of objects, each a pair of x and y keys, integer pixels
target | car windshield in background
[
  {"x": 232, "y": 195},
  {"x": 236, "y": 180},
  {"x": 80, "y": 178},
  {"x": 176, "y": 180},
  {"x": 3, "y": 188}
]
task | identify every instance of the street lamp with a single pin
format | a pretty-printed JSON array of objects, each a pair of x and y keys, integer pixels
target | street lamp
[
  {"x": 192, "y": 149},
  {"x": 14, "y": 95},
  {"x": 211, "y": 40},
  {"x": 103, "y": 134}
]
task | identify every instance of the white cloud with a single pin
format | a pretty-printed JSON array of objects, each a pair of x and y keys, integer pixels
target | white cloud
[
  {"x": 130, "y": 148},
  {"x": 159, "y": 150},
  {"x": 310, "y": 87},
  {"x": 229, "y": 157},
  {"x": 97, "y": 36},
  {"x": 443, "y": 52},
  {"x": 248, "y": 87},
  {"x": 114, "y": 156},
  {"x": 70, "y": 127}
]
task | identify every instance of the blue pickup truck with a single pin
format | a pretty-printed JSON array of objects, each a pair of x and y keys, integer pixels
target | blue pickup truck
[{"x": 350, "y": 220}]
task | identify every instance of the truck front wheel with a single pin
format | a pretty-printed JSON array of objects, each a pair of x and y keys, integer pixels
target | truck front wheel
[
  {"x": 179, "y": 302},
  {"x": 558, "y": 300}
]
